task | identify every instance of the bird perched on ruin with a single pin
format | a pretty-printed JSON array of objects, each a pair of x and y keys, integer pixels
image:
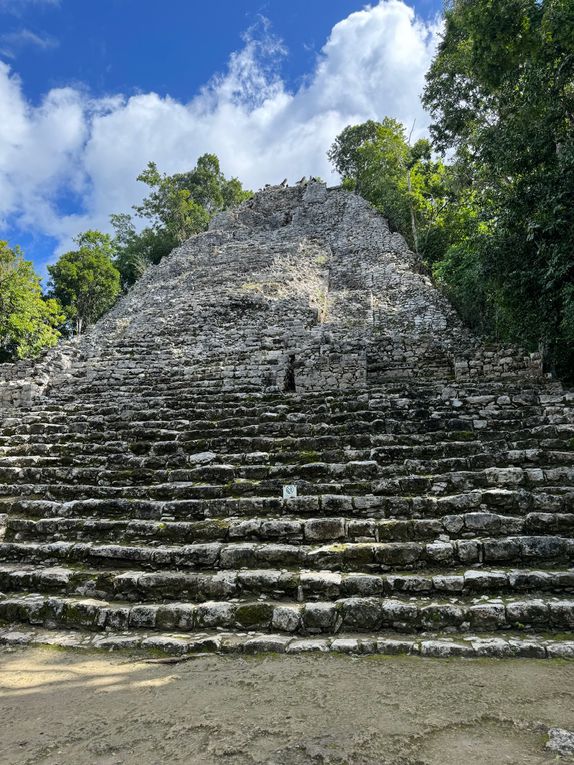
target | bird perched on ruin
[
  {"x": 284, "y": 182},
  {"x": 302, "y": 181}
]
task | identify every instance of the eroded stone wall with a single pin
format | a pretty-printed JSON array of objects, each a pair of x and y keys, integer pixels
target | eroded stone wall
[{"x": 300, "y": 288}]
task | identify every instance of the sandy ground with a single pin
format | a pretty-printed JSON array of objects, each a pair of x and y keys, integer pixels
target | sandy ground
[{"x": 64, "y": 708}]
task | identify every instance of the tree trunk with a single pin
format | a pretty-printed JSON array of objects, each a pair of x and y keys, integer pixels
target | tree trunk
[{"x": 412, "y": 211}]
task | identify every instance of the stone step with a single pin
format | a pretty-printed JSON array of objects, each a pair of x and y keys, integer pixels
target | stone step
[
  {"x": 250, "y": 454},
  {"x": 188, "y": 422},
  {"x": 341, "y": 556},
  {"x": 272, "y": 432},
  {"x": 455, "y": 395},
  {"x": 124, "y": 504},
  {"x": 129, "y": 426},
  {"x": 177, "y": 490},
  {"x": 285, "y": 528},
  {"x": 369, "y": 614},
  {"x": 258, "y": 465},
  {"x": 549, "y": 392},
  {"x": 81, "y": 449},
  {"x": 146, "y": 409},
  {"x": 393, "y": 479},
  {"x": 333, "y": 409},
  {"x": 205, "y": 474},
  {"x": 551, "y": 436},
  {"x": 503, "y": 477},
  {"x": 401, "y": 398},
  {"x": 279, "y": 584},
  {"x": 427, "y": 416},
  {"x": 424, "y": 459},
  {"x": 412, "y": 496},
  {"x": 390, "y": 479},
  {"x": 169, "y": 643}
]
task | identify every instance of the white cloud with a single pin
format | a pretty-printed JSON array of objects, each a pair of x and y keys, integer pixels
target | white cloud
[
  {"x": 11, "y": 42},
  {"x": 372, "y": 65},
  {"x": 40, "y": 152},
  {"x": 17, "y": 6}
]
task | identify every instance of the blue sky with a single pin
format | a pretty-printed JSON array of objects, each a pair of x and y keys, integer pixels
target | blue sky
[{"x": 90, "y": 91}]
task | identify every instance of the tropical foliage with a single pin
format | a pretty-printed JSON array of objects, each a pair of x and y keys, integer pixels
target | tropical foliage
[
  {"x": 177, "y": 207},
  {"x": 28, "y": 321},
  {"x": 85, "y": 282},
  {"x": 495, "y": 221},
  {"x": 501, "y": 93},
  {"x": 487, "y": 202},
  {"x": 418, "y": 194}
]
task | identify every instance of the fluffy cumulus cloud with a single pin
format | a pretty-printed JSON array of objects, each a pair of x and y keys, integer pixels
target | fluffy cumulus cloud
[
  {"x": 40, "y": 153},
  {"x": 81, "y": 154}
]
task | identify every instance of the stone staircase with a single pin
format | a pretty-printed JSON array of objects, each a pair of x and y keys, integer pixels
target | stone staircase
[
  {"x": 141, "y": 499},
  {"x": 424, "y": 513}
]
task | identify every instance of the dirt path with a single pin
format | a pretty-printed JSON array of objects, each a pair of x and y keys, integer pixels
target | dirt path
[{"x": 61, "y": 708}]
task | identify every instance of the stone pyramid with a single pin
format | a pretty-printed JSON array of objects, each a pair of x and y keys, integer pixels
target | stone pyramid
[{"x": 284, "y": 439}]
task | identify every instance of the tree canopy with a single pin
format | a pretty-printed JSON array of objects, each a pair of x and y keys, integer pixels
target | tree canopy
[
  {"x": 501, "y": 93},
  {"x": 414, "y": 191},
  {"x": 495, "y": 220},
  {"x": 28, "y": 321},
  {"x": 85, "y": 281},
  {"x": 177, "y": 207}
]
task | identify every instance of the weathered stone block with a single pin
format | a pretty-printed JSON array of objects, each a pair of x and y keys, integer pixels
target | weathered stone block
[{"x": 361, "y": 613}]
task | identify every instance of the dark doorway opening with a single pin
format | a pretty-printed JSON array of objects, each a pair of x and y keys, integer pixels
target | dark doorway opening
[{"x": 289, "y": 384}]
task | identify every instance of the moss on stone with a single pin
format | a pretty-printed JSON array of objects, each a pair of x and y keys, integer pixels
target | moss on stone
[
  {"x": 337, "y": 548},
  {"x": 461, "y": 435},
  {"x": 254, "y": 614},
  {"x": 306, "y": 457},
  {"x": 220, "y": 523},
  {"x": 76, "y": 615}
]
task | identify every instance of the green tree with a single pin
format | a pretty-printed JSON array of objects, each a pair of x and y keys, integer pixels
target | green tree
[
  {"x": 85, "y": 281},
  {"x": 170, "y": 206},
  {"x": 413, "y": 191},
  {"x": 209, "y": 187},
  {"x": 28, "y": 321},
  {"x": 135, "y": 251},
  {"x": 501, "y": 93},
  {"x": 177, "y": 207},
  {"x": 374, "y": 160}
]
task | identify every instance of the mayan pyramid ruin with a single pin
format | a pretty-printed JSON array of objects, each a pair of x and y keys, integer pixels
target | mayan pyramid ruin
[{"x": 283, "y": 438}]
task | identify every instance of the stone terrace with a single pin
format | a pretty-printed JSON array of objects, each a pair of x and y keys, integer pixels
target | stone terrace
[{"x": 296, "y": 343}]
